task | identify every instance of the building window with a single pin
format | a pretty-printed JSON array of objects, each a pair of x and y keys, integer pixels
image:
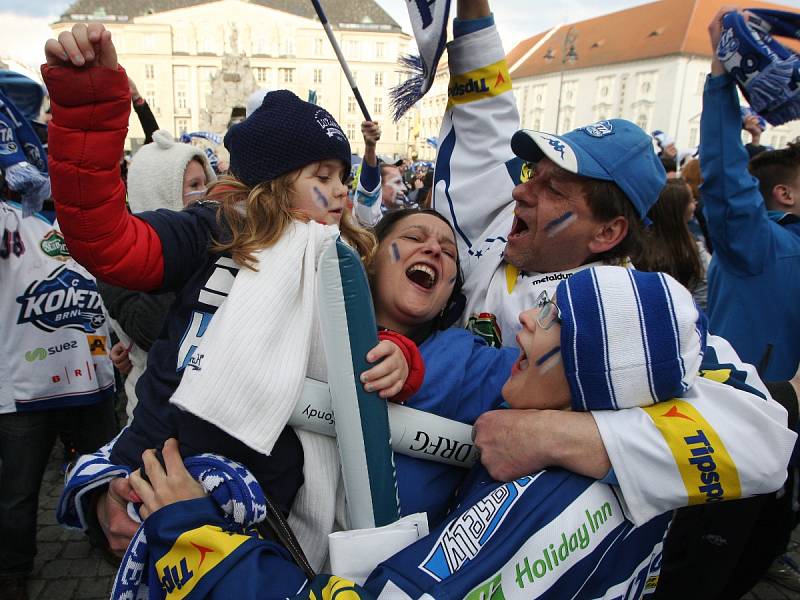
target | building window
[
  {"x": 646, "y": 86},
  {"x": 353, "y": 49},
  {"x": 377, "y": 107},
  {"x": 351, "y": 104},
  {"x": 397, "y": 132},
  {"x": 317, "y": 75},
  {"x": 149, "y": 72},
  {"x": 317, "y": 46},
  {"x": 537, "y": 124},
  {"x": 693, "y": 137},
  {"x": 286, "y": 75},
  {"x": 604, "y": 91},
  {"x": 262, "y": 74},
  {"x": 149, "y": 41},
  {"x": 287, "y": 47},
  {"x": 569, "y": 95},
  {"x": 641, "y": 121},
  {"x": 378, "y": 49},
  {"x": 379, "y": 79},
  {"x": 181, "y": 126},
  {"x": 180, "y": 99},
  {"x": 351, "y": 131},
  {"x": 150, "y": 98}
]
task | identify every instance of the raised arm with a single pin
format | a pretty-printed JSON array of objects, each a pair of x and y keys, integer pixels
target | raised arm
[
  {"x": 91, "y": 104},
  {"x": 737, "y": 219},
  {"x": 368, "y": 197},
  {"x": 475, "y": 168}
]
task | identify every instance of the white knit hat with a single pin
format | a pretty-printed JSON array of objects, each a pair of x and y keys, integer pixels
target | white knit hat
[{"x": 155, "y": 176}]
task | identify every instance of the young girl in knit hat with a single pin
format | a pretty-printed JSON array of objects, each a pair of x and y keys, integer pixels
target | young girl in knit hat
[{"x": 252, "y": 244}]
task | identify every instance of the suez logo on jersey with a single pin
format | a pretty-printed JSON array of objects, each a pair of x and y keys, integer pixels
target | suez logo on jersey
[
  {"x": 464, "y": 537},
  {"x": 491, "y": 80},
  {"x": 708, "y": 471},
  {"x": 63, "y": 299}
]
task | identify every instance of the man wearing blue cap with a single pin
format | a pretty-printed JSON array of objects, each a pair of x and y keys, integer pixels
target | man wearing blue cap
[{"x": 530, "y": 209}]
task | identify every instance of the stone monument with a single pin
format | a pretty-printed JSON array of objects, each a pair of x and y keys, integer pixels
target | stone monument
[{"x": 231, "y": 85}]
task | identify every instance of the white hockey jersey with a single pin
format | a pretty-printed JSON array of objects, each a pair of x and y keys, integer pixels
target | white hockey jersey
[
  {"x": 54, "y": 337},
  {"x": 475, "y": 174}
]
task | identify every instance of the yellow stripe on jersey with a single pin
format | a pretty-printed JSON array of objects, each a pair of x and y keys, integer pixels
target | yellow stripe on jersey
[
  {"x": 718, "y": 375},
  {"x": 707, "y": 470},
  {"x": 488, "y": 81},
  {"x": 194, "y": 553},
  {"x": 512, "y": 274}
]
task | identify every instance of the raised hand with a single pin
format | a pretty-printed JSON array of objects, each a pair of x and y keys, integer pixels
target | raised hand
[{"x": 84, "y": 46}]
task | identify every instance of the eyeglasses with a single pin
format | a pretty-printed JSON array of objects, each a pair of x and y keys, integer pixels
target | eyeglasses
[{"x": 549, "y": 313}]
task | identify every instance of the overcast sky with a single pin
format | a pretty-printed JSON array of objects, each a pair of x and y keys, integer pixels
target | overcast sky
[{"x": 25, "y": 21}]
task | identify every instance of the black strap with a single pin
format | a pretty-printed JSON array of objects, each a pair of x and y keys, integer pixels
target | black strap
[{"x": 277, "y": 525}]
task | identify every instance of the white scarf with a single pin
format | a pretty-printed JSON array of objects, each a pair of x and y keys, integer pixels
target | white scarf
[{"x": 247, "y": 374}]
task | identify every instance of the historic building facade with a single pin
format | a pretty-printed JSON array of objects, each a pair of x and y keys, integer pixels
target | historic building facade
[{"x": 193, "y": 60}]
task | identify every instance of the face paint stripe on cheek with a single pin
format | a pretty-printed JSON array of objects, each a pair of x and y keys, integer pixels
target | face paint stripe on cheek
[
  {"x": 559, "y": 224},
  {"x": 548, "y": 360},
  {"x": 395, "y": 252},
  {"x": 320, "y": 198}
]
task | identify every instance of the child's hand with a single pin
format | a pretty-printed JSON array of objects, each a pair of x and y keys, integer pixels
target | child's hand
[
  {"x": 86, "y": 45},
  {"x": 387, "y": 377},
  {"x": 165, "y": 488},
  {"x": 371, "y": 132},
  {"x": 120, "y": 358}
]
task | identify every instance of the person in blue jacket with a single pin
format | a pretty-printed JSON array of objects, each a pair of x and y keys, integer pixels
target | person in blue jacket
[{"x": 753, "y": 218}]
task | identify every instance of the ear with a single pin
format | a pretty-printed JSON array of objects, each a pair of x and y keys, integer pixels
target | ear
[
  {"x": 608, "y": 235},
  {"x": 782, "y": 197}
]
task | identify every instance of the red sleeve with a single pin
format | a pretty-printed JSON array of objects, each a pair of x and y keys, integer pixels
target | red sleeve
[
  {"x": 416, "y": 366},
  {"x": 85, "y": 141}
]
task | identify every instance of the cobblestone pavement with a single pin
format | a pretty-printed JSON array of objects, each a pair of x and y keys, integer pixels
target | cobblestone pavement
[{"x": 68, "y": 568}]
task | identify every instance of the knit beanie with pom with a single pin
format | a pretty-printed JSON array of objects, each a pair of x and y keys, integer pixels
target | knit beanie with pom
[
  {"x": 284, "y": 134},
  {"x": 155, "y": 175}
]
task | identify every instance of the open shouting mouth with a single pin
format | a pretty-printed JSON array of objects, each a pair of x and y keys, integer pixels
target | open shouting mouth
[{"x": 423, "y": 275}]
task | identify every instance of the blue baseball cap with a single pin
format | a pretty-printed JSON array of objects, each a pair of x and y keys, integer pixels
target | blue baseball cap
[{"x": 614, "y": 150}]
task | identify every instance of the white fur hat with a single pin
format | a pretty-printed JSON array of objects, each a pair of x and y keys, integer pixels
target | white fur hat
[{"x": 155, "y": 175}]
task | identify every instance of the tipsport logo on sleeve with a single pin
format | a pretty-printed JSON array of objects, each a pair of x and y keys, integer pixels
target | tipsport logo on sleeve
[
  {"x": 64, "y": 299},
  {"x": 706, "y": 467}
]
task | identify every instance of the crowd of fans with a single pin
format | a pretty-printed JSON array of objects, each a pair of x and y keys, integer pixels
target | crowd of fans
[{"x": 617, "y": 319}]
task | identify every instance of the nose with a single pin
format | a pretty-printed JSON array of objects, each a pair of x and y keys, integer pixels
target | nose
[
  {"x": 432, "y": 246},
  {"x": 524, "y": 193},
  {"x": 528, "y": 318},
  {"x": 339, "y": 190}
]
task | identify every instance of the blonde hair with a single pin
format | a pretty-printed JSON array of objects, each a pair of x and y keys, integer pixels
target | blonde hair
[{"x": 257, "y": 217}]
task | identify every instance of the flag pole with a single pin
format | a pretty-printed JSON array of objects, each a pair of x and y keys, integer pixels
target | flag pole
[{"x": 347, "y": 73}]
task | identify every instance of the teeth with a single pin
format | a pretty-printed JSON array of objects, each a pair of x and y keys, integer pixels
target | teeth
[{"x": 425, "y": 269}]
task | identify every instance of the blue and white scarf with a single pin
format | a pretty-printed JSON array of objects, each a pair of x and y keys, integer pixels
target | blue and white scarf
[
  {"x": 767, "y": 72},
  {"x": 22, "y": 158},
  {"x": 235, "y": 491},
  {"x": 429, "y": 20},
  {"x": 230, "y": 484}
]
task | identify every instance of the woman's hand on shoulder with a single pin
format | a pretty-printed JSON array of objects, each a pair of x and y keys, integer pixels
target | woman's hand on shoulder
[
  {"x": 390, "y": 374},
  {"x": 83, "y": 46}
]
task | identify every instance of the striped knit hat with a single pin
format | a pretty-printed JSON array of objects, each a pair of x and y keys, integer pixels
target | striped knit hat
[{"x": 628, "y": 338}]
